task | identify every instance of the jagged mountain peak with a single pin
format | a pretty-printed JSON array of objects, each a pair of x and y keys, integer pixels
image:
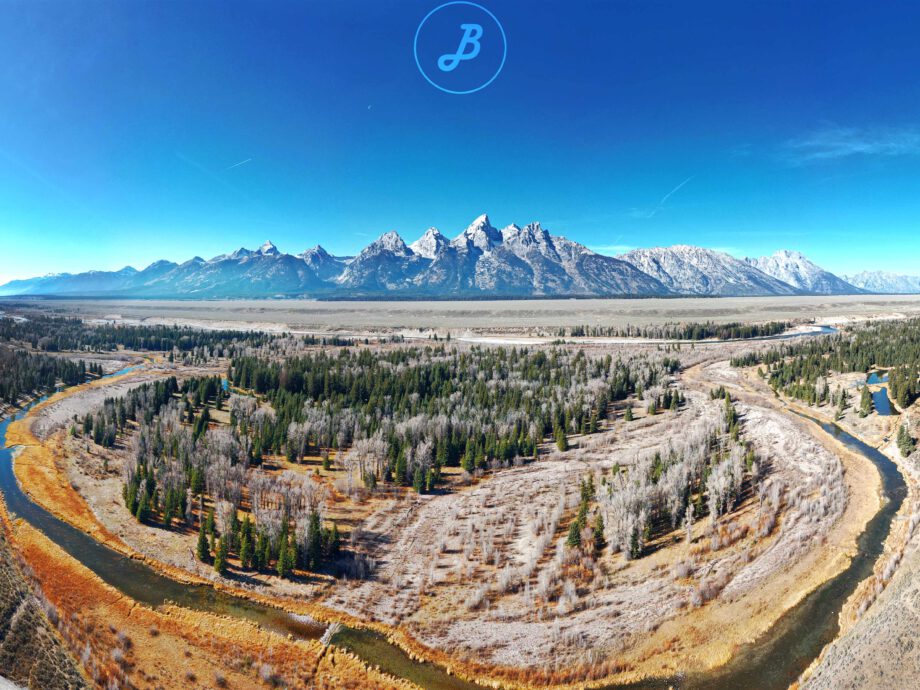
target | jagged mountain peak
[
  {"x": 885, "y": 282},
  {"x": 317, "y": 251},
  {"x": 430, "y": 244},
  {"x": 530, "y": 233},
  {"x": 479, "y": 234},
  {"x": 162, "y": 263},
  {"x": 480, "y": 221},
  {"x": 389, "y": 242},
  {"x": 268, "y": 249}
]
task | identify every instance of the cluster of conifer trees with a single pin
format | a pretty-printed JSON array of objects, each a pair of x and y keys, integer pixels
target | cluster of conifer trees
[
  {"x": 59, "y": 334},
  {"x": 437, "y": 406},
  {"x": 182, "y": 462},
  {"x": 798, "y": 369},
  {"x": 23, "y": 374},
  {"x": 681, "y": 331}
]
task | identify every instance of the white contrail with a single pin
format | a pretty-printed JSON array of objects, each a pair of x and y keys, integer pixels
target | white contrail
[
  {"x": 669, "y": 194},
  {"x": 236, "y": 165},
  {"x": 654, "y": 211}
]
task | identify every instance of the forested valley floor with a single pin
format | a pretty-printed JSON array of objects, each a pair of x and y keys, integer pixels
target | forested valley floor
[{"x": 533, "y": 514}]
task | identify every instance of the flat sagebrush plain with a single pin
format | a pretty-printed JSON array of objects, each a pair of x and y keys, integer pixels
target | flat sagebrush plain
[{"x": 511, "y": 316}]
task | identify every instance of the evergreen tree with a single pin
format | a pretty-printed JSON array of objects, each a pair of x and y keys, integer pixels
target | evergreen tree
[
  {"x": 562, "y": 442},
  {"x": 285, "y": 558},
  {"x": 599, "y": 541},
  {"x": 574, "y": 538},
  {"x": 266, "y": 553},
  {"x": 220, "y": 560},
  {"x": 143, "y": 508},
  {"x": 202, "y": 549},
  {"x": 245, "y": 551},
  {"x": 865, "y": 402},
  {"x": 401, "y": 470}
]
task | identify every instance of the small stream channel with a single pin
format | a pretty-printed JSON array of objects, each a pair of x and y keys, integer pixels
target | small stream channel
[{"x": 772, "y": 662}]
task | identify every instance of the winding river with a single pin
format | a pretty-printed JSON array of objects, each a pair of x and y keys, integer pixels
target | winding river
[{"x": 773, "y": 661}]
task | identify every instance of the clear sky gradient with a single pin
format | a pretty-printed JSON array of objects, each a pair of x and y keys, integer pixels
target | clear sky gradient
[{"x": 134, "y": 131}]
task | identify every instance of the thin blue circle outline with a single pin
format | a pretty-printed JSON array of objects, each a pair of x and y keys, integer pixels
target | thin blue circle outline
[{"x": 441, "y": 7}]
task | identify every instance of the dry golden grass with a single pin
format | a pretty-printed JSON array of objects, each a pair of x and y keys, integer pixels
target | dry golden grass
[{"x": 174, "y": 647}]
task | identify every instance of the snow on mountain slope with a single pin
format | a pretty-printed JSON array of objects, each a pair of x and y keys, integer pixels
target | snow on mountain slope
[
  {"x": 885, "y": 283},
  {"x": 800, "y": 272},
  {"x": 481, "y": 261},
  {"x": 692, "y": 270},
  {"x": 430, "y": 244},
  {"x": 386, "y": 264}
]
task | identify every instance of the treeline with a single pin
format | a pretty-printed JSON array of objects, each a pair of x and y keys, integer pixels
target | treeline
[
  {"x": 58, "y": 334},
  {"x": 801, "y": 369},
  {"x": 411, "y": 411},
  {"x": 23, "y": 374},
  {"x": 682, "y": 331}
]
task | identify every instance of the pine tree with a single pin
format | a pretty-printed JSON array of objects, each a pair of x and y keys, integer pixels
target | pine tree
[
  {"x": 202, "y": 549},
  {"x": 245, "y": 551},
  {"x": 562, "y": 442},
  {"x": 574, "y": 538},
  {"x": 143, "y": 508},
  {"x": 211, "y": 525},
  {"x": 865, "y": 402},
  {"x": 314, "y": 542},
  {"x": 599, "y": 541},
  {"x": 401, "y": 469},
  {"x": 628, "y": 415},
  {"x": 266, "y": 553},
  {"x": 220, "y": 560},
  {"x": 285, "y": 559}
]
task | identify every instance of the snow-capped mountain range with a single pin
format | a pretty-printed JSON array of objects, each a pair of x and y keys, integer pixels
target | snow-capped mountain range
[
  {"x": 480, "y": 262},
  {"x": 885, "y": 283},
  {"x": 690, "y": 270},
  {"x": 801, "y": 273}
]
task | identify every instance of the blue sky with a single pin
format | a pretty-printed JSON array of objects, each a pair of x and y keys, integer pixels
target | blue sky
[{"x": 133, "y": 131}]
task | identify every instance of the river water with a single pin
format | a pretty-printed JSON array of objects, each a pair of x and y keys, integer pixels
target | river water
[
  {"x": 773, "y": 661},
  {"x": 783, "y": 652}
]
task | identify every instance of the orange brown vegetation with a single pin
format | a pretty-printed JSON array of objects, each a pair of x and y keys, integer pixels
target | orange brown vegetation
[{"x": 173, "y": 647}]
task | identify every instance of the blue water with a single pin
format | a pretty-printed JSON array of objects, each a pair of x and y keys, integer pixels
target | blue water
[
  {"x": 875, "y": 379},
  {"x": 776, "y": 660},
  {"x": 124, "y": 371},
  {"x": 881, "y": 402},
  {"x": 823, "y": 330}
]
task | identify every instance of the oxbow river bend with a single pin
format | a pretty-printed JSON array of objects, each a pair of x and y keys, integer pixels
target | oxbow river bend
[{"x": 772, "y": 662}]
